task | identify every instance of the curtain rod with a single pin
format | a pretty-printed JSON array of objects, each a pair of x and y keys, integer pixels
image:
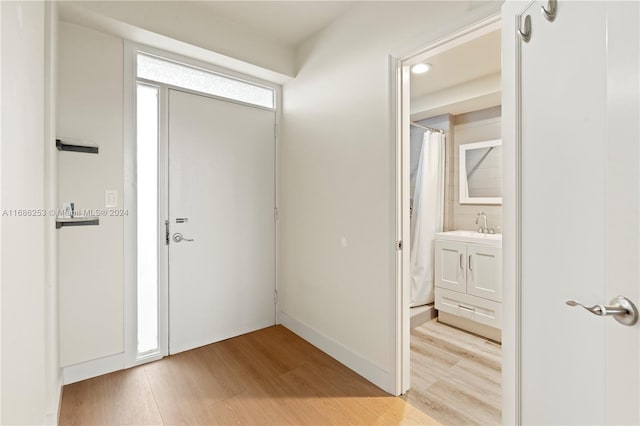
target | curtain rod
[{"x": 427, "y": 128}]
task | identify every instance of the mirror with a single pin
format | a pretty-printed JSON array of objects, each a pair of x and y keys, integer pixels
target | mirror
[{"x": 481, "y": 172}]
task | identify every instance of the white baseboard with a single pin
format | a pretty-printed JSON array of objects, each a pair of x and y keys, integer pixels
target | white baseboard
[
  {"x": 51, "y": 419},
  {"x": 370, "y": 371},
  {"x": 421, "y": 314},
  {"x": 97, "y": 367},
  {"x": 472, "y": 326}
]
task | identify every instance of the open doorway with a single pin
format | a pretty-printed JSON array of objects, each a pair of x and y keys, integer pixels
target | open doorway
[{"x": 451, "y": 219}]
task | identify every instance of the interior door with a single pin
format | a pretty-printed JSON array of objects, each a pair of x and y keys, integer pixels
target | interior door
[
  {"x": 580, "y": 191},
  {"x": 221, "y": 219}
]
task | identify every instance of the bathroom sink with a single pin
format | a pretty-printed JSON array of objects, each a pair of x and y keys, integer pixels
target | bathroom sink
[{"x": 471, "y": 237}]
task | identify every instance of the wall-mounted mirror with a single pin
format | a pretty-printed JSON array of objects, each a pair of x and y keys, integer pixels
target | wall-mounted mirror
[{"x": 481, "y": 172}]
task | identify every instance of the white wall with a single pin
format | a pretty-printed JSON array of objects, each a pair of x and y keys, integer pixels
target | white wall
[
  {"x": 90, "y": 106},
  {"x": 473, "y": 127},
  {"x": 483, "y": 92},
  {"x": 194, "y": 29},
  {"x": 26, "y": 361},
  {"x": 337, "y": 201}
]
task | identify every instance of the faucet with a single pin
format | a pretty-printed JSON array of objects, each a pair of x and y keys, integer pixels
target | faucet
[{"x": 484, "y": 229}]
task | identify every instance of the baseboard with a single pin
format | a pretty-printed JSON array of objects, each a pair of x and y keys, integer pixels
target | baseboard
[
  {"x": 97, "y": 367},
  {"x": 51, "y": 419},
  {"x": 472, "y": 326},
  {"x": 421, "y": 314},
  {"x": 376, "y": 375}
]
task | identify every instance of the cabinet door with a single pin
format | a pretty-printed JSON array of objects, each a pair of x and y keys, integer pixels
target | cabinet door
[
  {"x": 484, "y": 271},
  {"x": 450, "y": 268}
]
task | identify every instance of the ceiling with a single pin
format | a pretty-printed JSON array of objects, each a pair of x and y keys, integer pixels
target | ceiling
[
  {"x": 289, "y": 22},
  {"x": 477, "y": 58}
]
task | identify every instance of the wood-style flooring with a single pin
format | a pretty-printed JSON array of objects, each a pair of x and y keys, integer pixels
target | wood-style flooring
[
  {"x": 268, "y": 377},
  {"x": 455, "y": 375}
]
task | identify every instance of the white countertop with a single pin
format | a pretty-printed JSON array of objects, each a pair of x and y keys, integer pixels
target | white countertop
[{"x": 471, "y": 237}]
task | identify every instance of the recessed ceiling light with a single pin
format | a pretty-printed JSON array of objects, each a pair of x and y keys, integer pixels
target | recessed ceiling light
[{"x": 420, "y": 68}]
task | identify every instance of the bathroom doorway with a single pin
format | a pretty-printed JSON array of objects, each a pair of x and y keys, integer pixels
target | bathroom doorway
[{"x": 450, "y": 179}]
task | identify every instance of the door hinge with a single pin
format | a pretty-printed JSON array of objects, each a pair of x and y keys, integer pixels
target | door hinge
[
  {"x": 399, "y": 245},
  {"x": 275, "y": 130},
  {"x": 275, "y": 297},
  {"x": 166, "y": 232},
  {"x": 275, "y": 214}
]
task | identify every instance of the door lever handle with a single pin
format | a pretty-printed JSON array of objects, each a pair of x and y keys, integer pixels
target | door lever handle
[
  {"x": 601, "y": 310},
  {"x": 621, "y": 308},
  {"x": 177, "y": 237}
]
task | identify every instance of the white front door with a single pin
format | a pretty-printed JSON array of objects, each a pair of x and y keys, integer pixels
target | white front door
[
  {"x": 221, "y": 196},
  {"x": 580, "y": 197}
]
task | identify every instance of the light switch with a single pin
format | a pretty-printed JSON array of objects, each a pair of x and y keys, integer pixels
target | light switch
[{"x": 111, "y": 198}]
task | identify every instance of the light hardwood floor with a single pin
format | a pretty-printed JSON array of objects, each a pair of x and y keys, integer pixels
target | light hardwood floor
[
  {"x": 268, "y": 377},
  {"x": 455, "y": 375}
]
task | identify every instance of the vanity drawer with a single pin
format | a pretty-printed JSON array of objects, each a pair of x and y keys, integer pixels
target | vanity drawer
[{"x": 473, "y": 308}]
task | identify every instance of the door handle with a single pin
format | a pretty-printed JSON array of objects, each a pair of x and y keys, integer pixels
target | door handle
[
  {"x": 466, "y": 308},
  {"x": 462, "y": 261},
  {"x": 621, "y": 308},
  {"x": 177, "y": 237},
  {"x": 470, "y": 266}
]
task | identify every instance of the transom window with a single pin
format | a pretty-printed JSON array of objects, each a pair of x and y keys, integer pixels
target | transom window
[{"x": 200, "y": 80}]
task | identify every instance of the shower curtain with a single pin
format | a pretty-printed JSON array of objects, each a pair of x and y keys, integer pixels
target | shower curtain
[{"x": 427, "y": 216}]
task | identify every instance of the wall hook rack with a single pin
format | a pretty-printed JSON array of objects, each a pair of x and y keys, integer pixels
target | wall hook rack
[
  {"x": 77, "y": 221},
  {"x": 550, "y": 11},
  {"x": 76, "y": 146},
  {"x": 526, "y": 34}
]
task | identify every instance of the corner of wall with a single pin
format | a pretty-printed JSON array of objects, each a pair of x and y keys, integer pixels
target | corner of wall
[{"x": 376, "y": 375}]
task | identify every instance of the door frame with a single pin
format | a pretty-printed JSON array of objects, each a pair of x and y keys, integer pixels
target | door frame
[
  {"x": 131, "y": 80},
  {"x": 400, "y": 69}
]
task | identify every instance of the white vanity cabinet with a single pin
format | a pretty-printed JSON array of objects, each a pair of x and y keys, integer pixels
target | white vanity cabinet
[{"x": 468, "y": 281}]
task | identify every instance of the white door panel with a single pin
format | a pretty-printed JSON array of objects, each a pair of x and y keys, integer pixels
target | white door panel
[
  {"x": 221, "y": 178},
  {"x": 579, "y": 213}
]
